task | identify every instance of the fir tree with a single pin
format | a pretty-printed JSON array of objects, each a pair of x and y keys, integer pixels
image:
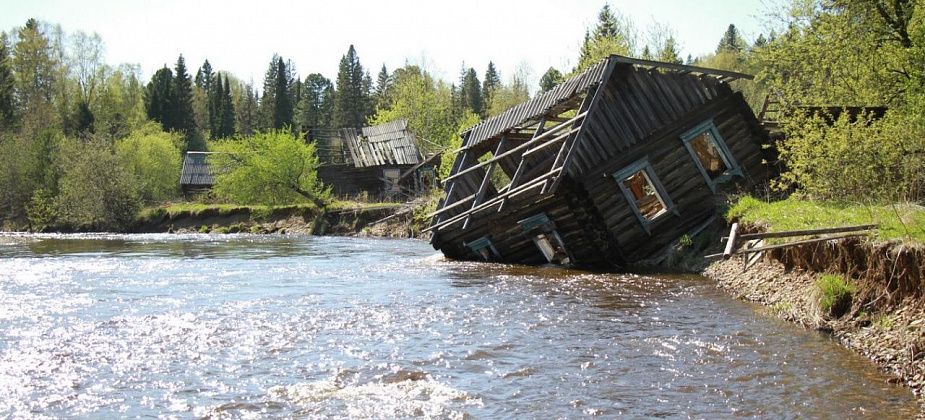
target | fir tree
[
  {"x": 7, "y": 86},
  {"x": 669, "y": 52},
  {"x": 84, "y": 120},
  {"x": 34, "y": 65},
  {"x": 730, "y": 41},
  {"x": 607, "y": 25},
  {"x": 646, "y": 53},
  {"x": 204, "y": 76},
  {"x": 268, "y": 97},
  {"x": 226, "y": 126},
  {"x": 317, "y": 102},
  {"x": 182, "y": 106},
  {"x": 282, "y": 101},
  {"x": 351, "y": 100},
  {"x": 247, "y": 111},
  {"x": 382, "y": 86},
  {"x": 159, "y": 97},
  {"x": 490, "y": 84},
  {"x": 470, "y": 94},
  {"x": 550, "y": 79},
  {"x": 216, "y": 102}
]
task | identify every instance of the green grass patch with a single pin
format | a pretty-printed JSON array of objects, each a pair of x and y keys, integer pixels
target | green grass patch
[
  {"x": 901, "y": 221},
  {"x": 360, "y": 205},
  {"x": 835, "y": 294}
]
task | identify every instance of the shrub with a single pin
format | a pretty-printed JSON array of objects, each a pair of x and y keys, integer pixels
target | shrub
[
  {"x": 272, "y": 168},
  {"x": 153, "y": 158},
  {"x": 835, "y": 293}
]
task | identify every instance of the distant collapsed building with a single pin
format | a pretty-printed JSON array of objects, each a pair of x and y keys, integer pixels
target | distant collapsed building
[
  {"x": 606, "y": 169},
  {"x": 380, "y": 162}
]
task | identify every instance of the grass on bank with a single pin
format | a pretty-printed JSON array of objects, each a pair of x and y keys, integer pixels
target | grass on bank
[
  {"x": 174, "y": 210},
  {"x": 904, "y": 222}
]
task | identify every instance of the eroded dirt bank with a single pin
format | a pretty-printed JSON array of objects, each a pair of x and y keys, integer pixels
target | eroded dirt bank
[{"x": 885, "y": 319}]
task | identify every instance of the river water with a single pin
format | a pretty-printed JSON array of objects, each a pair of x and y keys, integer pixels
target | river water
[{"x": 279, "y": 326}]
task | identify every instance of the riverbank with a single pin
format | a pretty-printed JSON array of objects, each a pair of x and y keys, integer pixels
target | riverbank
[
  {"x": 868, "y": 293},
  {"x": 393, "y": 220}
]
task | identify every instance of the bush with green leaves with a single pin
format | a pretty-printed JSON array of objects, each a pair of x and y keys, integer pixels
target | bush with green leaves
[
  {"x": 855, "y": 159},
  {"x": 153, "y": 158},
  {"x": 270, "y": 168},
  {"x": 95, "y": 192}
]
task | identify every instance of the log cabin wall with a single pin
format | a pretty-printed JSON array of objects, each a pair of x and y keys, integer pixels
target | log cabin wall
[
  {"x": 347, "y": 180},
  {"x": 675, "y": 167}
]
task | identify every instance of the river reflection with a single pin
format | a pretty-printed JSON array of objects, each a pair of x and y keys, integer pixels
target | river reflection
[{"x": 242, "y": 325}]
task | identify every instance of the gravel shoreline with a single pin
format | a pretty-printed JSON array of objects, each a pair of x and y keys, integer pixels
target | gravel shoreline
[{"x": 891, "y": 335}]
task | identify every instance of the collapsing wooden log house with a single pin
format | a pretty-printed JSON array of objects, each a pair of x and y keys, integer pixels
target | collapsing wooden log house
[
  {"x": 606, "y": 169},
  {"x": 381, "y": 161}
]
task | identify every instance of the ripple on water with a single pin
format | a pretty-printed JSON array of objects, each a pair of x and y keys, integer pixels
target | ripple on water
[{"x": 248, "y": 326}]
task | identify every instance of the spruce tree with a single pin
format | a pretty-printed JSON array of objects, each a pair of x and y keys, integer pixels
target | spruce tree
[
  {"x": 7, "y": 86},
  {"x": 317, "y": 102},
  {"x": 550, "y": 79},
  {"x": 282, "y": 101},
  {"x": 646, "y": 53},
  {"x": 351, "y": 100},
  {"x": 268, "y": 97},
  {"x": 216, "y": 102},
  {"x": 182, "y": 106},
  {"x": 247, "y": 111},
  {"x": 669, "y": 52},
  {"x": 228, "y": 114},
  {"x": 490, "y": 84},
  {"x": 470, "y": 94},
  {"x": 204, "y": 76},
  {"x": 159, "y": 97},
  {"x": 730, "y": 41},
  {"x": 382, "y": 85}
]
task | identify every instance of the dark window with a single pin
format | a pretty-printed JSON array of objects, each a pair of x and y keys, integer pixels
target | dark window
[
  {"x": 713, "y": 158},
  {"x": 646, "y": 195}
]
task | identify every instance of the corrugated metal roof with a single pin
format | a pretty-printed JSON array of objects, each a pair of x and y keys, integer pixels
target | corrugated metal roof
[
  {"x": 535, "y": 107},
  {"x": 196, "y": 171}
]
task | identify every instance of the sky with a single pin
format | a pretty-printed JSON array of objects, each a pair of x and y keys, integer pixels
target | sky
[{"x": 241, "y": 37}]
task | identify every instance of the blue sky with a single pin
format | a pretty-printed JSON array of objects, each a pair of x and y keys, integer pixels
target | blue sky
[{"x": 242, "y": 36}]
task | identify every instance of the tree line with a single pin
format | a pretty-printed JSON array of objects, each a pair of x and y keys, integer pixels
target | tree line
[{"x": 63, "y": 110}]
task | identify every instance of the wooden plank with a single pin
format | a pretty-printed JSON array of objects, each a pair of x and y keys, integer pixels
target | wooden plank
[
  {"x": 731, "y": 242},
  {"x": 806, "y": 232}
]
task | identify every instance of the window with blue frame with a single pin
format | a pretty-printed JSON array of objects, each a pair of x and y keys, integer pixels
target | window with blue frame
[
  {"x": 710, "y": 153},
  {"x": 644, "y": 192}
]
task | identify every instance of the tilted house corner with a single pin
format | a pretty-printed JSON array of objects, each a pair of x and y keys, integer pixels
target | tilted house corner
[{"x": 606, "y": 169}]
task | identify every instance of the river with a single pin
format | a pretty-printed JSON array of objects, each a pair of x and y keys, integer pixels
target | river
[{"x": 279, "y": 326}]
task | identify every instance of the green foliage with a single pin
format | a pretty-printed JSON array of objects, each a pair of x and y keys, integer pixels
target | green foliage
[
  {"x": 317, "y": 103},
  {"x": 613, "y": 34},
  {"x": 490, "y": 83},
  {"x": 835, "y": 293},
  {"x": 152, "y": 158},
  {"x": 282, "y": 100},
  {"x": 550, "y": 79},
  {"x": 7, "y": 86},
  {"x": 352, "y": 105},
  {"x": 270, "y": 168},
  {"x": 854, "y": 159},
  {"x": 448, "y": 159},
  {"x": 425, "y": 102},
  {"x": 95, "y": 192},
  {"x": 905, "y": 222},
  {"x": 25, "y": 166},
  {"x": 41, "y": 210},
  {"x": 470, "y": 92},
  {"x": 513, "y": 93}
]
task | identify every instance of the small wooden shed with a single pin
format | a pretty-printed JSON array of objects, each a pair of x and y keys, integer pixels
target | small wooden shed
[
  {"x": 381, "y": 161},
  {"x": 196, "y": 175},
  {"x": 606, "y": 169}
]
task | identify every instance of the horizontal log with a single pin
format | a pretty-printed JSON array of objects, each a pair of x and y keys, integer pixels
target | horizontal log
[{"x": 806, "y": 232}]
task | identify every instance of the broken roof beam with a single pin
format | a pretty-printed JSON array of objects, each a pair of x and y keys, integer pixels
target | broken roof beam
[{"x": 516, "y": 149}]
